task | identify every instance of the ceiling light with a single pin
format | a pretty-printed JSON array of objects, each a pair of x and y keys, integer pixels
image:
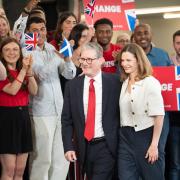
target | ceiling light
[
  {"x": 171, "y": 15},
  {"x": 156, "y": 10}
]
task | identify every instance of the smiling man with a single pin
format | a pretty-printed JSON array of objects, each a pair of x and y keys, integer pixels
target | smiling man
[
  {"x": 104, "y": 31},
  {"x": 143, "y": 37},
  {"x": 48, "y": 162},
  {"x": 90, "y": 116}
]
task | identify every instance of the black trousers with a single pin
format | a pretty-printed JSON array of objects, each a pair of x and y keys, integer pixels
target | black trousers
[
  {"x": 132, "y": 164},
  {"x": 99, "y": 163}
]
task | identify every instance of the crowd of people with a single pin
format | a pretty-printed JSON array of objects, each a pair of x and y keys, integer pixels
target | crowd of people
[{"x": 96, "y": 115}]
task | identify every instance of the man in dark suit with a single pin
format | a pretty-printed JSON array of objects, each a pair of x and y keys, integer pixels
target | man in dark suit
[{"x": 90, "y": 116}]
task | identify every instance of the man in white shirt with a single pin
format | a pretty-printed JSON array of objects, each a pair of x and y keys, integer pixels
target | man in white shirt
[
  {"x": 48, "y": 162},
  {"x": 90, "y": 117}
]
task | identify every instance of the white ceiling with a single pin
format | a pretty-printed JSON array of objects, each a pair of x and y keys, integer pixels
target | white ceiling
[{"x": 156, "y": 3}]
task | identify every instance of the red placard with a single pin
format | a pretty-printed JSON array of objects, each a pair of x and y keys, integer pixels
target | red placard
[
  {"x": 169, "y": 77},
  {"x": 120, "y": 12}
]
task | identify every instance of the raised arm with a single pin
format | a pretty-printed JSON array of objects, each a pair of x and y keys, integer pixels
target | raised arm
[
  {"x": 32, "y": 85},
  {"x": 20, "y": 24},
  {"x": 67, "y": 68}
]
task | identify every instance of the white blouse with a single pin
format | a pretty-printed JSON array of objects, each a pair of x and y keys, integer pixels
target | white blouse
[
  {"x": 146, "y": 102},
  {"x": 125, "y": 105}
]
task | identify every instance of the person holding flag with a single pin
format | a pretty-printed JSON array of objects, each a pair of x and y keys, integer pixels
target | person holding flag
[
  {"x": 66, "y": 21},
  {"x": 47, "y": 106},
  {"x": 15, "y": 124},
  {"x": 173, "y": 143}
]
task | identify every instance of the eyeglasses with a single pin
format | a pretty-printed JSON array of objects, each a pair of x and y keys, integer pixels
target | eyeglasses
[{"x": 88, "y": 60}]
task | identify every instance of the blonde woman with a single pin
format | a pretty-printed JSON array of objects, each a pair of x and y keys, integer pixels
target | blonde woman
[
  {"x": 141, "y": 153},
  {"x": 123, "y": 39},
  {"x": 4, "y": 28}
]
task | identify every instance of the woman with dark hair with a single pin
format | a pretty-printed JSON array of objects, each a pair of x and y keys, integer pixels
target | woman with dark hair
[
  {"x": 79, "y": 36},
  {"x": 15, "y": 126},
  {"x": 66, "y": 21}
]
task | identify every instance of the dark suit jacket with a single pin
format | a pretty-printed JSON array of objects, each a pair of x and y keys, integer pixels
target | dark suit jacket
[{"x": 73, "y": 118}]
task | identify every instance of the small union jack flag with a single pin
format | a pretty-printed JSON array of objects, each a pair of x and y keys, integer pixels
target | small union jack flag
[
  {"x": 31, "y": 40},
  {"x": 90, "y": 8}
]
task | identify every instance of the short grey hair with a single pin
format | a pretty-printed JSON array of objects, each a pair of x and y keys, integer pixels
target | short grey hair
[{"x": 94, "y": 46}]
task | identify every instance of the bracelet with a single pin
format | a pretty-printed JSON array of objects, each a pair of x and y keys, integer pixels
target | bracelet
[
  {"x": 26, "y": 11},
  {"x": 19, "y": 80},
  {"x": 30, "y": 75}
]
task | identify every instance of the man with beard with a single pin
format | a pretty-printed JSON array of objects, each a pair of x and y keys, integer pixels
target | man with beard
[
  {"x": 104, "y": 31},
  {"x": 176, "y": 43},
  {"x": 174, "y": 132}
]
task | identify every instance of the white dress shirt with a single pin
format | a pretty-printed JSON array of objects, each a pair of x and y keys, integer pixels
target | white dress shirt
[{"x": 98, "y": 91}]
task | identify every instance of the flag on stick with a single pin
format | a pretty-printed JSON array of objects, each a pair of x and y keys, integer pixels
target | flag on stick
[
  {"x": 89, "y": 9},
  {"x": 31, "y": 40},
  {"x": 66, "y": 48}
]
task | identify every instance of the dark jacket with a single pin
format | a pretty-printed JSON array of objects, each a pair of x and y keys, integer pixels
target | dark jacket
[{"x": 73, "y": 118}]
